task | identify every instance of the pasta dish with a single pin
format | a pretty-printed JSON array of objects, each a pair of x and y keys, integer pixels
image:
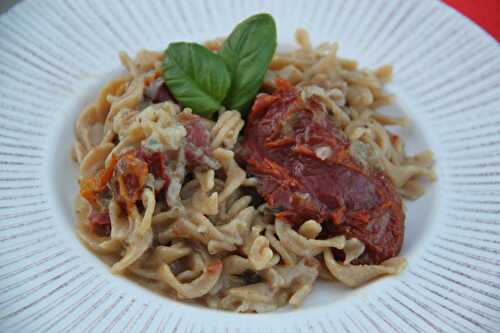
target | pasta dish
[{"x": 236, "y": 176}]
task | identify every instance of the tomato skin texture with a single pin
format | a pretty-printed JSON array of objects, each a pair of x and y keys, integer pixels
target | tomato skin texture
[{"x": 282, "y": 140}]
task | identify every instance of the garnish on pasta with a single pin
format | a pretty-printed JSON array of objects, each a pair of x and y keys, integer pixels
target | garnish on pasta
[{"x": 236, "y": 176}]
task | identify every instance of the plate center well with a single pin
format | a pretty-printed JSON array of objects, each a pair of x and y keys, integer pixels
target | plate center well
[{"x": 419, "y": 214}]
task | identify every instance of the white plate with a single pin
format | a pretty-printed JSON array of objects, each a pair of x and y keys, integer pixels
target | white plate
[{"x": 54, "y": 55}]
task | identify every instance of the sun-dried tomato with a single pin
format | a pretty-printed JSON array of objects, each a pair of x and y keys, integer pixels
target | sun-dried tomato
[{"x": 282, "y": 139}]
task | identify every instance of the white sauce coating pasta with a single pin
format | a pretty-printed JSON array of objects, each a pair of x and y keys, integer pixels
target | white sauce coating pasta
[{"x": 193, "y": 232}]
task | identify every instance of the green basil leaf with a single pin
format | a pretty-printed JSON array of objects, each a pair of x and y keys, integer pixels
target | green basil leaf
[
  {"x": 247, "y": 53},
  {"x": 197, "y": 77}
]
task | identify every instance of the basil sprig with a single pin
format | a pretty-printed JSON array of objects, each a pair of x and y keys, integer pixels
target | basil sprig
[
  {"x": 205, "y": 81},
  {"x": 247, "y": 53},
  {"x": 197, "y": 78}
]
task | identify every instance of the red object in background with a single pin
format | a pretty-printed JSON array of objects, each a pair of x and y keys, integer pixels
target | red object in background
[{"x": 486, "y": 13}]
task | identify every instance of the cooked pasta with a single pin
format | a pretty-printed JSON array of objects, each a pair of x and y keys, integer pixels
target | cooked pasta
[{"x": 165, "y": 200}]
